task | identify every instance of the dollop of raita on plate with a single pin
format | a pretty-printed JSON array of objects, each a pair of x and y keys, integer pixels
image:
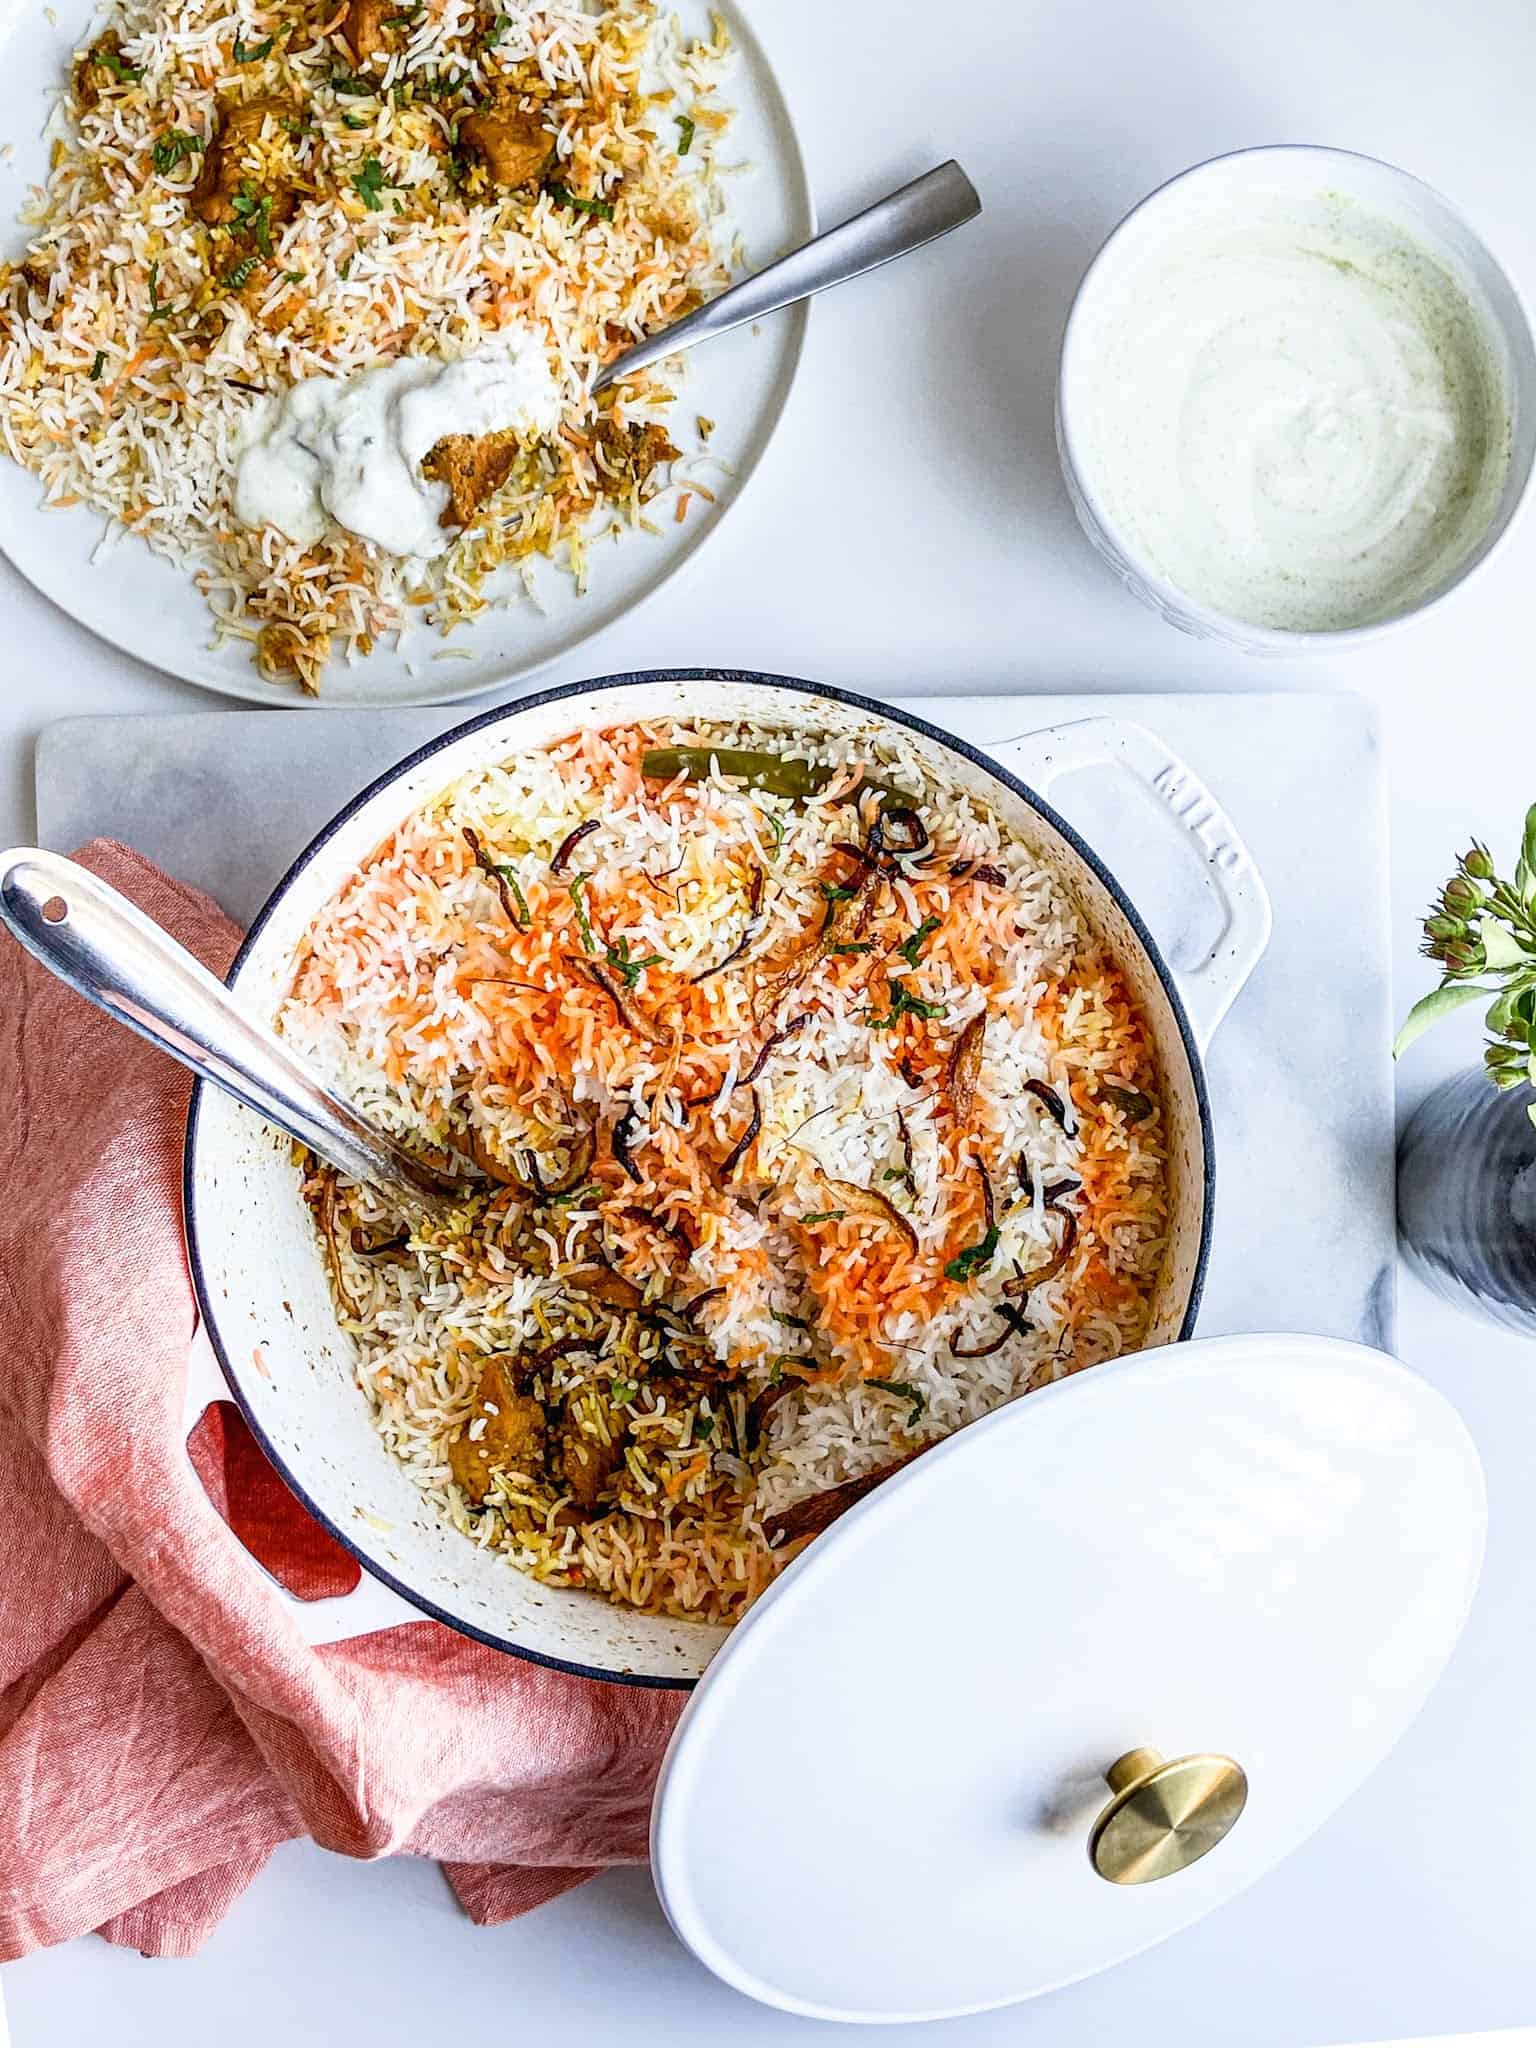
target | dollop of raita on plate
[{"x": 350, "y": 449}]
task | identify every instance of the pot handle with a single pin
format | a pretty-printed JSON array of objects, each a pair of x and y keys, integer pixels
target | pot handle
[
  {"x": 369, "y": 1606},
  {"x": 1210, "y": 987}
]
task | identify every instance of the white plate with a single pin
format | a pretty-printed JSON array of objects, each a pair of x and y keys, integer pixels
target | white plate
[{"x": 137, "y": 601}]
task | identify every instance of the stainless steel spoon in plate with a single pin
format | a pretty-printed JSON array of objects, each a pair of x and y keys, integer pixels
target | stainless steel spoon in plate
[
  {"x": 930, "y": 206},
  {"x": 108, "y": 951}
]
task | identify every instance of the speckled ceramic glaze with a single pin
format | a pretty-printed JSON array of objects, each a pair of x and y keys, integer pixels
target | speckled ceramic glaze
[{"x": 257, "y": 1264}]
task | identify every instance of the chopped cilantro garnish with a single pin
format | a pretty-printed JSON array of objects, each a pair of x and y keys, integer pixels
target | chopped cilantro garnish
[
  {"x": 775, "y": 825},
  {"x": 904, "y": 1391},
  {"x": 793, "y": 1322},
  {"x": 293, "y": 277},
  {"x": 253, "y": 210},
  {"x": 345, "y": 271},
  {"x": 629, "y": 970},
  {"x": 508, "y": 875},
  {"x": 825, "y": 1216},
  {"x": 353, "y": 121},
  {"x": 686, "y": 129},
  {"x": 974, "y": 1259},
  {"x": 583, "y": 922},
  {"x": 904, "y": 1004},
  {"x": 911, "y": 949},
  {"x": 498, "y": 29},
  {"x": 834, "y": 892},
  {"x": 358, "y": 88},
  {"x": 856, "y": 946},
  {"x": 96, "y": 366},
  {"x": 157, "y": 311},
  {"x": 576, "y": 1194},
  {"x": 125, "y": 74},
  {"x": 240, "y": 274},
  {"x": 172, "y": 148},
  {"x": 368, "y": 183},
  {"x": 622, "y": 1392},
  {"x": 703, "y": 1428},
  {"x": 252, "y": 53},
  {"x": 563, "y": 196}
]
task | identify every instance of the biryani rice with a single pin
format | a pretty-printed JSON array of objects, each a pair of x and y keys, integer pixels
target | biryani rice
[
  {"x": 138, "y": 343},
  {"x": 464, "y": 1034}
]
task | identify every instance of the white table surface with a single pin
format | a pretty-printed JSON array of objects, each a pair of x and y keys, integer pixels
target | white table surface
[{"x": 908, "y": 532}]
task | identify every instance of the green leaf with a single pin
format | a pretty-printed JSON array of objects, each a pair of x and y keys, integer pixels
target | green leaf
[
  {"x": 1503, "y": 1013},
  {"x": 686, "y": 129},
  {"x": 904, "y": 1004},
  {"x": 125, "y": 74},
  {"x": 1528, "y": 839},
  {"x": 101, "y": 357},
  {"x": 583, "y": 921},
  {"x": 1501, "y": 949},
  {"x": 1440, "y": 1002},
  {"x": 911, "y": 949},
  {"x": 562, "y": 195},
  {"x": 369, "y": 183},
  {"x": 904, "y": 1391},
  {"x": 974, "y": 1258},
  {"x": 252, "y": 53},
  {"x": 172, "y": 148}
]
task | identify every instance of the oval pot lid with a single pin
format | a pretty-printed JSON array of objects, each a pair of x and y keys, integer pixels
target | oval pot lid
[{"x": 878, "y": 1804}]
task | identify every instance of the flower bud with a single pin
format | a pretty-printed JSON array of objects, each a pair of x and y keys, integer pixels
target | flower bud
[
  {"x": 1478, "y": 863},
  {"x": 1461, "y": 898},
  {"x": 1463, "y": 959},
  {"x": 1442, "y": 927}
]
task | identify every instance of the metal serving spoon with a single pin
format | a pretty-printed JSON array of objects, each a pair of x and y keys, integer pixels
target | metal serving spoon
[
  {"x": 108, "y": 951},
  {"x": 920, "y": 212}
]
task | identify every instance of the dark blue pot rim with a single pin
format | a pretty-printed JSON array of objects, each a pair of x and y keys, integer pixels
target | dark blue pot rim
[{"x": 975, "y": 755}]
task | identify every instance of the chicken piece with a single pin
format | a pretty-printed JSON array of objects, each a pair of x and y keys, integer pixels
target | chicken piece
[
  {"x": 587, "y": 1463},
  {"x": 513, "y": 146},
  {"x": 474, "y": 467},
  {"x": 513, "y": 1440},
  {"x": 233, "y": 159},
  {"x": 631, "y": 453},
  {"x": 364, "y": 26}
]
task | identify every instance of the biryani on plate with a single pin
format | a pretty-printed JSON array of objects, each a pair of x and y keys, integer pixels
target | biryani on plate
[
  {"x": 801, "y": 1118},
  {"x": 315, "y": 296}
]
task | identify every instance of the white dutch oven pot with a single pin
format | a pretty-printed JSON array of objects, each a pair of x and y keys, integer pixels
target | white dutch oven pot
[
  {"x": 257, "y": 1266},
  {"x": 880, "y": 1802}
]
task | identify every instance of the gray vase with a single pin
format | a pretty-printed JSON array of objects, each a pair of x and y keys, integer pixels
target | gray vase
[{"x": 1466, "y": 1197}]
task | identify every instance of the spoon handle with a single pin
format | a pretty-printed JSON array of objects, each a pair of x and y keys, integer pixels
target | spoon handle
[
  {"x": 920, "y": 212},
  {"x": 108, "y": 951}
]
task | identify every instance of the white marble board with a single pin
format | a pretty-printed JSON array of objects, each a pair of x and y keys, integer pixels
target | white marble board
[{"x": 1300, "y": 1078}]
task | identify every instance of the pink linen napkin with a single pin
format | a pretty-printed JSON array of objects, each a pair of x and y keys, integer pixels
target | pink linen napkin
[{"x": 162, "y": 1725}]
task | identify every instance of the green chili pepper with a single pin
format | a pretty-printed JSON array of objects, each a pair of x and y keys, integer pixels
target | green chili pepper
[{"x": 769, "y": 772}]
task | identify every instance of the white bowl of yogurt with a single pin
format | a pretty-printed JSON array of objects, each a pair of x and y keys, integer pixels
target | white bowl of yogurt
[{"x": 1297, "y": 400}]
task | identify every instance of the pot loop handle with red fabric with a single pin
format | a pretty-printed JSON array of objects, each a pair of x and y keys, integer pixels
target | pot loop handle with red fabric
[
  {"x": 336, "y": 1618},
  {"x": 1211, "y": 983}
]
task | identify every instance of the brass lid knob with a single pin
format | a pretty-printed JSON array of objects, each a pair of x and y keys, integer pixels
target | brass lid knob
[{"x": 1164, "y": 1815}]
